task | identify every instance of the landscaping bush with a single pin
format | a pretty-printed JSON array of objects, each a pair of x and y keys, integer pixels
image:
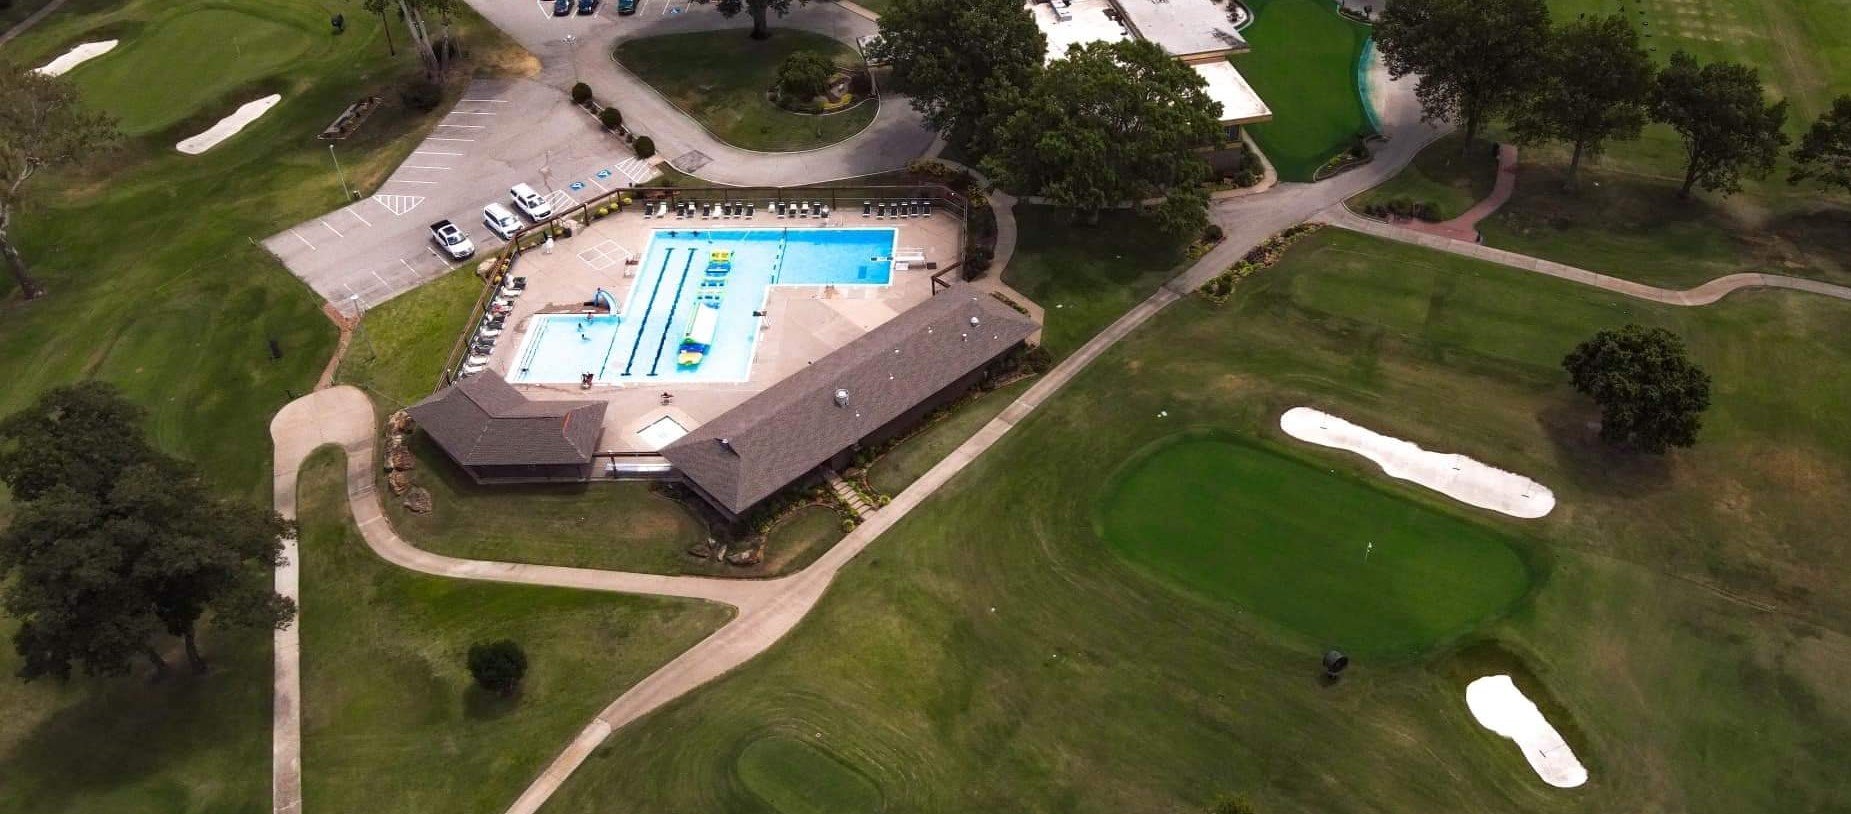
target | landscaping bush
[
  {"x": 498, "y": 666},
  {"x": 421, "y": 94},
  {"x": 805, "y": 75},
  {"x": 644, "y": 146},
  {"x": 1213, "y": 233},
  {"x": 1038, "y": 360},
  {"x": 581, "y": 93},
  {"x": 610, "y": 118}
]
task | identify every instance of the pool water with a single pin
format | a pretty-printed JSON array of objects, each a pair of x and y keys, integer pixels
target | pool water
[{"x": 642, "y": 342}]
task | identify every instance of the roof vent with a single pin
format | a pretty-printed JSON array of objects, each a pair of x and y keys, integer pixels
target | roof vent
[
  {"x": 841, "y": 397},
  {"x": 728, "y": 444},
  {"x": 974, "y": 322},
  {"x": 965, "y": 337}
]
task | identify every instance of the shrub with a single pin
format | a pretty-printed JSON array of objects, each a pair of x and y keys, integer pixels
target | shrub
[
  {"x": 421, "y": 94},
  {"x": 1038, "y": 359},
  {"x": 644, "y": 146},
  {"x": 847, "y": 525},
  {"x": 581, "y": 93},
  {"x": 603, "y": 211},
  {"x": 498, "y": 666},
  {"x": 805, "y": 75},
  {"x": 610, "y": 118},
  {"x": 1427, "y": 211},
  {"x": 1212, "y": 233}
]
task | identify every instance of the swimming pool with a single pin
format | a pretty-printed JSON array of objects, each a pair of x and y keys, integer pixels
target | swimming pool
[{"x": 697, "y": 298}]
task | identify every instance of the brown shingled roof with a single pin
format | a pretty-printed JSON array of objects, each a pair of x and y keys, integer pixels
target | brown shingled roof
[
  {"x": 777, "y": 436},
  {"x": 484, "y": 421}
]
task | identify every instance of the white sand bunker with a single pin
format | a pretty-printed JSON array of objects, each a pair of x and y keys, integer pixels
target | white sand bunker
[
  {"x": 75, "y": 57},
  {"x": 229, "y": 126},
  {"x": 1502, "y": 708},
  {"x": 1450, "y": 474}
]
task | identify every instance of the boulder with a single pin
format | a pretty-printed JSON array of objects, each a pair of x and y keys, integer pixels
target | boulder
[
  {"x": 418, "y": 500},
  {"x": 398, "y": 482},
  {"x": 750, "y": 556},
  {"x": 401, "y": 460},
  {"x": 399, "y": 423}
]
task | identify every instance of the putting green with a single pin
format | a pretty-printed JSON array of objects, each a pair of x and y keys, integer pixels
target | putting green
[
  {"x": 1232, "y": 522},
  {"x": 178, "y": 64},
  {"x": 795, "y": 777}
]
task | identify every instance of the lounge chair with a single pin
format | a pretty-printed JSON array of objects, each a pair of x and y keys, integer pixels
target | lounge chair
[
  {"x": 822, "y": 210},
  {"x": 748, "y": 210},
  {"x": 925, "y": 207},
  {"x": 866, "y": 208}
]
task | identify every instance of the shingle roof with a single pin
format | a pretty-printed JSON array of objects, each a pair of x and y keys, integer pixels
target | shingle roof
[
  {"x": 484, "y": 421},
  {"x": 777, "y": 436}
]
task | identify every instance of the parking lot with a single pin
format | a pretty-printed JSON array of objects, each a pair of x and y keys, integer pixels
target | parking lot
[{"x": 502, "y": 133}]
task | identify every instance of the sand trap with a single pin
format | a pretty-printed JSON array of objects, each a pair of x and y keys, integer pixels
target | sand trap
[
  {"x": 1452, "y": 475},
  {"x": 229, "y": 126},
  {"x": 75, "y": 57},
  {"x": 1502, "y": 708}
]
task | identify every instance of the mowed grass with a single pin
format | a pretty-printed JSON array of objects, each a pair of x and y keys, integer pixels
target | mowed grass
[
  {"x": 992, "y": 652},
  {"x": 1303, "y": 65},
  {"x": 720, "y": 79},
  {"x": 193, "y": 60},
  {"x": 1329, "y": 556},
  {"x": 392, "y": 720},
  {"x": 399, "y": 350},
  {"x": 794, "y": 776},
  {"x": 1087, "y": 274},
  {"x": 900, "y": 466},
  {"x": 1443, "y": 175}
]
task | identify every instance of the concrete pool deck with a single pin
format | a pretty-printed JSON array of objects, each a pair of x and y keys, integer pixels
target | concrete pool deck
[{"x": 803, "y": 323}]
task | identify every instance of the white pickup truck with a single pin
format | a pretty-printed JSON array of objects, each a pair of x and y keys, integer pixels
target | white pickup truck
[{"x": 451, "y": 239}]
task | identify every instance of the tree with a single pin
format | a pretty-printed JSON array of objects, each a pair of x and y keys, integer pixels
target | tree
[
  {"x": 1110, "y": 123},
  {"x": 1726, "y": 126},
  {"x": 498, "y": 666},
  {"x": 1475, "y": 58},
  {"x": 954, "y": 58},
  {"x": 119, "y": 542},
  {"x": 759, "y": 9},
  {"x": 1825, "y": 152},
  {"x": 410, "y": 11},
  {"x": 644, "y": 146},
  {"x": 1595, "y": 84},
  {"x": 1651, "y": 396},
  {"x": 378, "y": 7},
  {"x": 42, "y": 126},
  {"x": 805, "y": 75}
]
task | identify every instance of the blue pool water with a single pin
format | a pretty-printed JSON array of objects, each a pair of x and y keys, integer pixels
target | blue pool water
[{"x": 642, "y": 341}]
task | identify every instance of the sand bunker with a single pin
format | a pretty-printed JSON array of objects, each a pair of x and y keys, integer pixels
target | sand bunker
[
  {"x": 1452, "y": 475},
  {"x": 1502, "y": 708},
  {"x": 229, "y": 126},
  {"x": 75, "y": 57}
]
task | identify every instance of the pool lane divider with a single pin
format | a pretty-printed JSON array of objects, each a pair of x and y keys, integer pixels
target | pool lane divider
[
  {"x": 648, "y": 309},
  {"x": 673, "y": 306}
]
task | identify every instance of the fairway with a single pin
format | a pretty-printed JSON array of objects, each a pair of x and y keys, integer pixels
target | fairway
[
  {"x": 1303, "y": 64},
  {"x": 719, "y": 78},
  {"x": 1343, "y": 563},
  {"x": 184, "y": 62},
  {"x": 795, "y": 777}
]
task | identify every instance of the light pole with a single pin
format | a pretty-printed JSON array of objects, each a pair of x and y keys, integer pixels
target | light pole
[
  {"x": 572, "y": 45},
  {"x": 341, "y": 173}
]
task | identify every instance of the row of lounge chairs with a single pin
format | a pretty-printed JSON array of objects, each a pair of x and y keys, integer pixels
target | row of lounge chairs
[
  {"x": 783, "y": 209},
  {"x": 482, "y": 342},
  {"x": 896, "y": 209}
]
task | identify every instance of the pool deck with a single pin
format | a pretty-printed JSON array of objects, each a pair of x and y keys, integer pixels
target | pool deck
[{"x": 803, "y": 323}]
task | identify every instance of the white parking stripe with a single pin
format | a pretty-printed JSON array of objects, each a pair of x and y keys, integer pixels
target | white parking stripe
[
  {"x": 594, "y": 179},
  {"x": 440, "y": 258},
  {"x": 488, "y": 101},
  {"x": 414, "y": 272},
  {"x": 304, "y": 240},
  {"x": 424, "y": 167},
  {"x": 403, "y": 181},
  {"x": 468, "y": 113},
  {"x": 356, "y": 213},
  {"x": 465, "y": 126},
  {"x": 337, "y": 232},
  {"x": 434, "y": 138},
  {"x": 382, "y": 280},
  {"x": 434, "y": 152}
]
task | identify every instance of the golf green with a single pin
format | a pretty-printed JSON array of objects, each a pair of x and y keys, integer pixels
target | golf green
[
  {"x": 1335, "y": 559},
  {"x": 795, "y": 777}
]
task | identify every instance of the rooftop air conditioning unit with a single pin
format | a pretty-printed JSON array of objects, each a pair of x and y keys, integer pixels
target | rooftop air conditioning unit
[{"x": 841, "y": 397}]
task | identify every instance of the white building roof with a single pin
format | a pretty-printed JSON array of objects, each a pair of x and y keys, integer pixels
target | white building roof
[
  {"x": 1076, "y": 23},
  {"x": 1239, "y": 103},
  {"x": 1184, "y": 28}
]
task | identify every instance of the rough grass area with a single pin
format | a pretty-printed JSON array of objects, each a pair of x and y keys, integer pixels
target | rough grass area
[
  {"x": 720, "y": 79},
  {"x": 1442, "y": 175},
  {"x": 992, "y": 653},
  {"x": 1303, "y": 65},
  {"x": 1333, "y": 558},
  {"x": 401, "y": 346},
  {"x": 796, "y": 776},
  {"x": 391, "y": 718},
  {"x": 1087, "y": 274}
]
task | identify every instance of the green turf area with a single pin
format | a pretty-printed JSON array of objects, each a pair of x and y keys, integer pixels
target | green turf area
[
  {"x": 18, "y": 10},
  {"x": 391, "y": 719},
  {"x": 1303, "y": 64},
  {"x": 794, "y": 776},
  {"x": 720, "y": 78},
  {"x": 992, "y": 653},
  {"x": 796, "y": 542},
  {"x": 1087, "y": 274},
  {"x": 902, "y": 465},
  {"x": 1286, "y": 539},
  {"x": 401, "y": 346},
  {"x": 1442, "y": 175},
  {"x": 196, "y": 59}
]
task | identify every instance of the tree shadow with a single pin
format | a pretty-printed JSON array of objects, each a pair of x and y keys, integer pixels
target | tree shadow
[
  {"x": 1594, "y": 465},
  {"x": 481, "y": 705}
]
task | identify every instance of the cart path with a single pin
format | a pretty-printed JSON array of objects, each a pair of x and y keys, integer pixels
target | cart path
[{"x": 1465, "y": 227}]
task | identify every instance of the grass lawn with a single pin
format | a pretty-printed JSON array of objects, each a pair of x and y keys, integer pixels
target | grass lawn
[
  {"x": 1239, "y": 524},
  {"x": 1441, "y": 175},
  {"x": 792, "y": 775},
  {"x": 902, "y": 465},
  {"x": 391, "y": 719},
  {"x": 1087, "y": 275},
  {"x": 401, "y": 346},
  {"x": 795, "y": 543},
  {"x": 996, "y": 653},
  {"x": 1303, "y": 63},
  {"x": 720, "y": 79}
]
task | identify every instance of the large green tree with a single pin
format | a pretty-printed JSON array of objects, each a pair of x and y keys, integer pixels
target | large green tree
[
  {"x": 1111, "y": 123},
  {"x": 113, "y": 542},
  {"x": 1651, "y": 395},
  {"x": 759, "y": 9},
  {"x": 1595, "y": 85},
  {"x": 1824, "y": 153},
  {"x": 1728, "y": 128},
  {"x": 43, "y": 126},
  {"x": 1475, "y": 58},
  {"x": 952, "y": 58}
]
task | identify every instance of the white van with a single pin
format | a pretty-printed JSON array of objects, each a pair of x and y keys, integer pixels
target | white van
[
  {"x": 500, "y": 221},
  {"x": 530, "y": 203}
]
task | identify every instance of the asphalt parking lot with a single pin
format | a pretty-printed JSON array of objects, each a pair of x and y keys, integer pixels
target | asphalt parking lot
[{"x": 503, "y": 132}]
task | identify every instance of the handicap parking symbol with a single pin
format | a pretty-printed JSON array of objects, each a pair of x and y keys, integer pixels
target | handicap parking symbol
[
  {"x": 603, "y": 174},
  {"x": 577, "y": 185}
]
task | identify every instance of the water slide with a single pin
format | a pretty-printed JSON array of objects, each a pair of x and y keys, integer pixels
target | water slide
[
  {"x": 673, "y": 306},
  {"x": 695, "y": 345},
  {"x": 606, "y": 298},
  {"x": 660, "y": 273}
]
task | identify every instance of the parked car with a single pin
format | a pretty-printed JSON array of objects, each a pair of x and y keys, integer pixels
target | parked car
[
  {"x": 530, "y": 203},
  {"x": 626, "y": 7},
  {"x": 587, "y": 6},
  {"x": 562, "y": 8},
  {"x": 451, "y": 239},
  {"x": 500, "y": 221}
]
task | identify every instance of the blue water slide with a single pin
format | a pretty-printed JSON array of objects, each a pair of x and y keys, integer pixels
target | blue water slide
[{"x": 606, "y": 298}]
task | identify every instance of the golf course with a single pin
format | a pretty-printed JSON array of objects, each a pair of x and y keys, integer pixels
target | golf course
[{"x": 1304, "y": 60}]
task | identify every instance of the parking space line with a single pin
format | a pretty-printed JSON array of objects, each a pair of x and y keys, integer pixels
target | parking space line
[
  {"x": 403, "y": 181},
  {"x": 434, "y": 152},
  {"x": 440, "y": 258},
  {"x": 469, "y": 113},
  {"x": 382, "y": 280},
  {"x": 304, "y": 240},
  {"x": 422, "y": 167},
  {"x": 355, "y": 211},
  {"x": 330, "y": 227},
  {"x": 489, "y": 101},
  {"x": 600, "y": 186},
  {"x": 414, "y": 272},
  {"x": 464, "y": 126},
  {"x": 434, "y": 138}
]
